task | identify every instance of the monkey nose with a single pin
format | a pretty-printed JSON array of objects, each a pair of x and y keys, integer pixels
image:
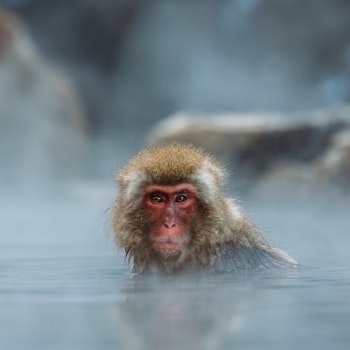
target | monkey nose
[
  {"x": 169, "y": 219},
  {"x": 169, "y": 224}
]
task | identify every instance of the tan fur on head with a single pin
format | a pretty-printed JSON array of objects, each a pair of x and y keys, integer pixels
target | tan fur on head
[{"x": 170, "y": 165}]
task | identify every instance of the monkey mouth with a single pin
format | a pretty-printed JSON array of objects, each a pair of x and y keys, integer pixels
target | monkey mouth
[{"x": 168, "y": 248}]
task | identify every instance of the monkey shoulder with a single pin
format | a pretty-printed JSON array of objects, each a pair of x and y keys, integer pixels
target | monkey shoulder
[
  {"x": 229, "y": 257},
  {"x": 244, "y": 247}
]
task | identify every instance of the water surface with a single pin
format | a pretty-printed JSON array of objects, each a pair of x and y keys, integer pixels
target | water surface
[{"x": 65, "y": 286}]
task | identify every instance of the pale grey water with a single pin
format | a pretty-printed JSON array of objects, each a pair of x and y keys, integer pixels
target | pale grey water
[{"x": 64, "y": 286}]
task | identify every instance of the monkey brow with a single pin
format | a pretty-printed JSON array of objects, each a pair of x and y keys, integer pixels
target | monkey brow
[{"x": 169, "y": 180}]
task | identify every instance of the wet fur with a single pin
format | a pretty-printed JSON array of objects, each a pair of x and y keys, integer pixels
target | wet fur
[{"x": 221, "y": 238}]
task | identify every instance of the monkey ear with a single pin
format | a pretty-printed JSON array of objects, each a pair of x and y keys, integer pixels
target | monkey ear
[
  {"x": 210, "y": 180},
  {"x": 130, "y": 183}
]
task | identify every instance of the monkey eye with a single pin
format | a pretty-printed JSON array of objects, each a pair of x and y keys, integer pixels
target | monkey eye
[
  {"x": 156, "y": 198},
  {"x": 181, "y": 198}
]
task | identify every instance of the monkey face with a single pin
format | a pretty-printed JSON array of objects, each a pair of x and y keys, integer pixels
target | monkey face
[{"x": 169, "y": 210}]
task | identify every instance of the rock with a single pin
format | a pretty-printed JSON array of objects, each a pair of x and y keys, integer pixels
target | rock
[
  {"x": 335, "y": 163},
  {"x": 42, "y": 121},
  {"x": 256, "y": 144}
]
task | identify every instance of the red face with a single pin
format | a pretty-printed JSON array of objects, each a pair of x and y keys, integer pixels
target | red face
[{"x": 170, "y": 209}]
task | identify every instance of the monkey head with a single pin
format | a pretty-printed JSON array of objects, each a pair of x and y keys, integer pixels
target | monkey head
[{"x": 163, "y": 195}]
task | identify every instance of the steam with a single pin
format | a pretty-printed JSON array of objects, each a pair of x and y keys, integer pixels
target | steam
[
  {"x": 191, "y": 55},
  {"x": 232, "y": 55}
]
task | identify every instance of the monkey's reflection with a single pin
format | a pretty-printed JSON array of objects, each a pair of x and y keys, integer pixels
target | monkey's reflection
[{"x": 187, "y": 312}]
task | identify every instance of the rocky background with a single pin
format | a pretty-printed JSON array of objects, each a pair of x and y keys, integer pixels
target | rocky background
[
  {"x": 310, "y": 148},
  {"x": 262, "y": 84}
]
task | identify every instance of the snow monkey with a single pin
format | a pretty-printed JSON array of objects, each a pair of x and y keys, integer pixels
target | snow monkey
[{"x": 172, "y": 216}]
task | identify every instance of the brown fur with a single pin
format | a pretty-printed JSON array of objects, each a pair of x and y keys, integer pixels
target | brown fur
[{"x": 221, "y": 238}]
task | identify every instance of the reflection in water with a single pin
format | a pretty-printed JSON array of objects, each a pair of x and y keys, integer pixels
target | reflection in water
[
  {"x": 270, "y": 310},
  {"x": 93, "y": 303},
  {"x": 181, "y": 313},
  {"x": 187, "y": 312}
]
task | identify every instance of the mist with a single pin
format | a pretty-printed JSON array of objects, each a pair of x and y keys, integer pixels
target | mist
[
  {"x": 81, "y": 85},
  {"x": 208, "y": 56}
]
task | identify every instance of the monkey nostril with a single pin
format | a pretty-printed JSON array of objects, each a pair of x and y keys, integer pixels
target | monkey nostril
[{"x": 169, "y": 222}]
